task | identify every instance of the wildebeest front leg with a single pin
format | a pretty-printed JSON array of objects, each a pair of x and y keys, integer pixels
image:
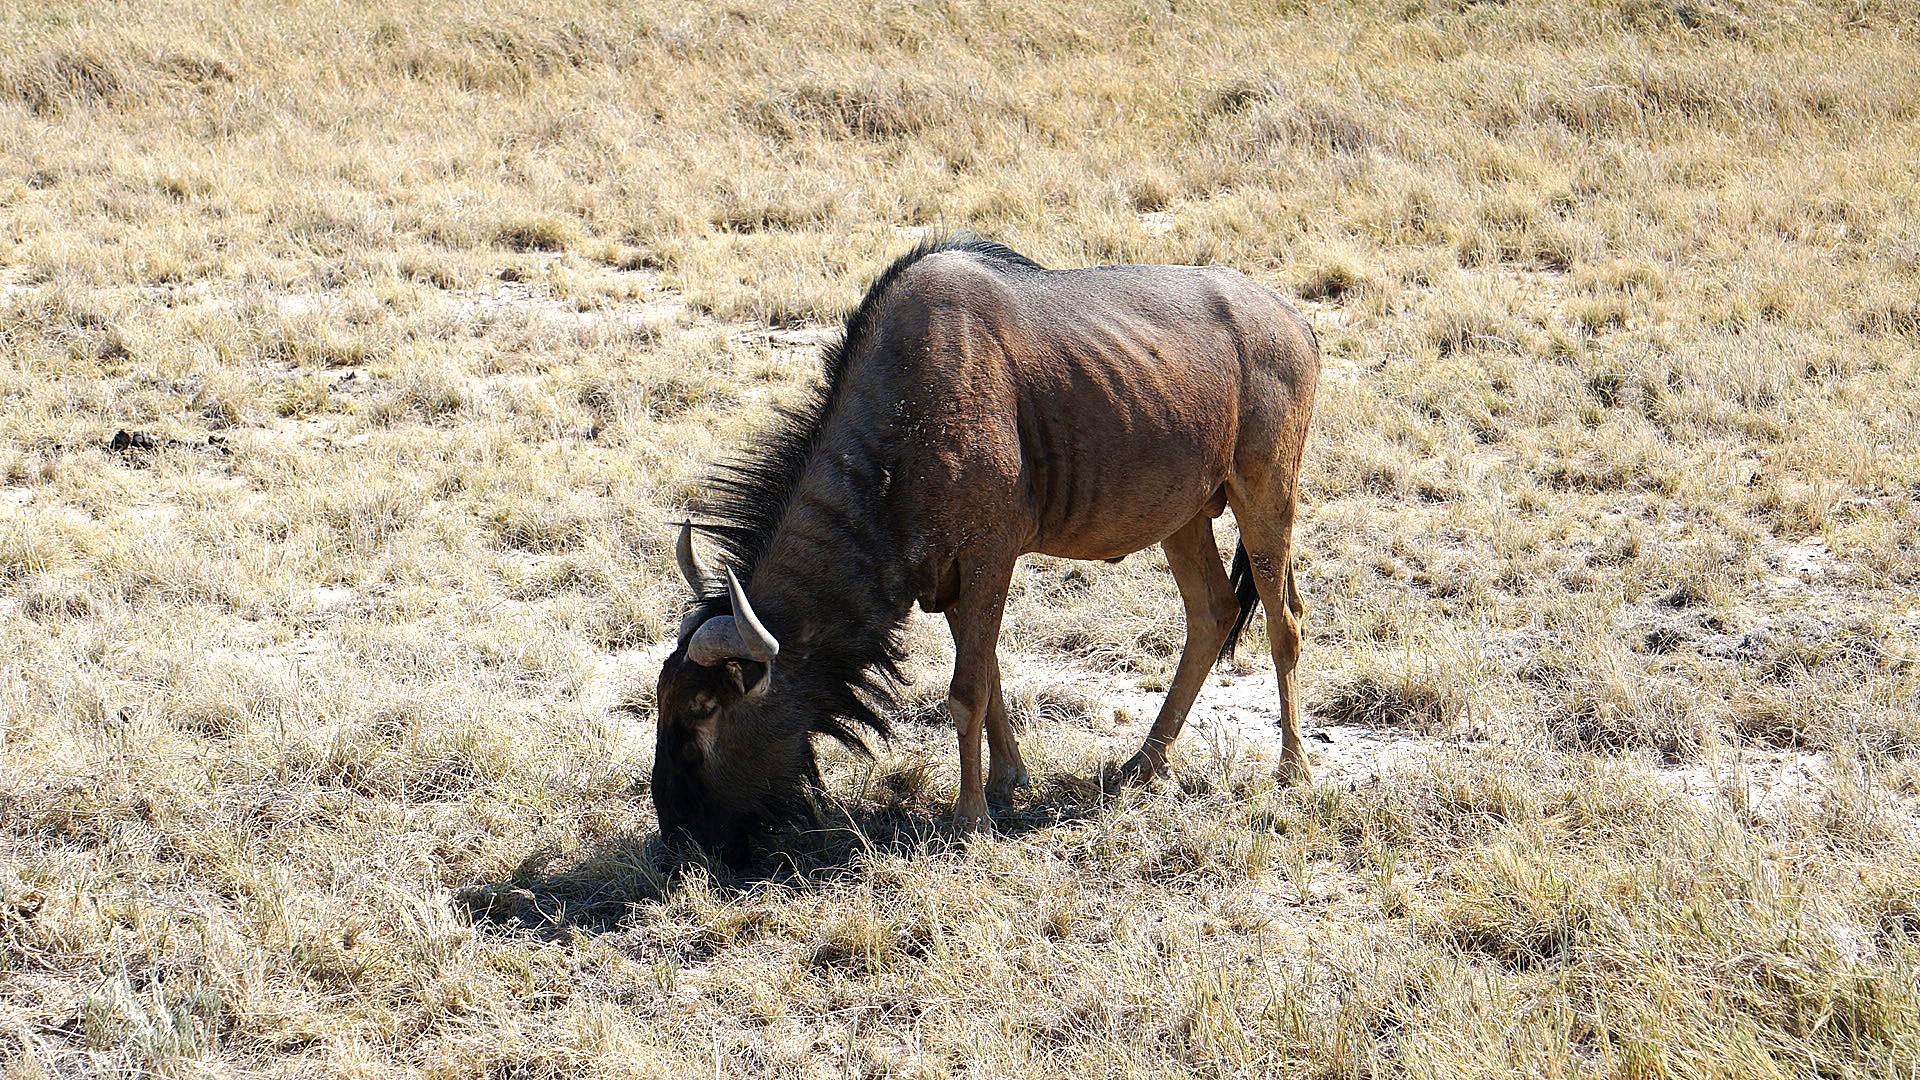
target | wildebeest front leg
[
  {"x": 1208, "y": 598},
  {"x": 974, "y": 696}
]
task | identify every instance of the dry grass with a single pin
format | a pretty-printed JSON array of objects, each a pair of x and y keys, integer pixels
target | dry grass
[{"x": 435, "y": 316}]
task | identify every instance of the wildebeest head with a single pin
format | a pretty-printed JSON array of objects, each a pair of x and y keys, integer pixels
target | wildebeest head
[{"x": 734, "y": 753}]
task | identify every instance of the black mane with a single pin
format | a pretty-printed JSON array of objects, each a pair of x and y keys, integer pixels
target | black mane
[
  {"x": 750, "y": 492},
  {"x": 748, "y": 498}
]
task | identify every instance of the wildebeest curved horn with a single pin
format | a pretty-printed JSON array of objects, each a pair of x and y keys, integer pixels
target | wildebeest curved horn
[
  {"x": 761, "y": 645},
  {"x": 738, "y": 636},
  {"x": 716, "y": 642},
  {"x": 683, "y": 554}
]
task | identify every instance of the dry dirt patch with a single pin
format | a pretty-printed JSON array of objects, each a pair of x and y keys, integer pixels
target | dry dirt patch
[{"x": 1610, "y": 542}]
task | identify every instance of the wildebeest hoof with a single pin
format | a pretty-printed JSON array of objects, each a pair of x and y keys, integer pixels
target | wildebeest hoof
[
  {"x": 969, "y": 824},
  {"x": 1142, "y": 768},
  {"x": 1001, "y": 789},
  {"x": 972, "y": 816}
]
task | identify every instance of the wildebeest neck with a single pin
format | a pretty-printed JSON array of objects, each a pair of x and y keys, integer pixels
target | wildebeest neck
[
  {"x": 839, "y": 562},
  {"x": 807, "y": 516}
]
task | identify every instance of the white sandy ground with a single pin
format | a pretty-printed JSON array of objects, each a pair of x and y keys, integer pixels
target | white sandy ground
[{"x": 1239, "y": 711}]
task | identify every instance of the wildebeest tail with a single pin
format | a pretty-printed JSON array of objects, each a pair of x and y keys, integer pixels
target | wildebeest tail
[{"x": 1247, "y": 591}]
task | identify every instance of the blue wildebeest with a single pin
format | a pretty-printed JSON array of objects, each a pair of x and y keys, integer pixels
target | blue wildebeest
[{"x": 979, "y": 407}]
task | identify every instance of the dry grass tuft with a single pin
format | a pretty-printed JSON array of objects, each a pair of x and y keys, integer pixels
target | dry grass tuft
[
  {"x": 1424, "y": 701},
  {"x": 326, "y": 707}
]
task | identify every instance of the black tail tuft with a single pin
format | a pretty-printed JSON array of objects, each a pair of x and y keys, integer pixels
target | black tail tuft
[{"x": 1247, "y": 591}]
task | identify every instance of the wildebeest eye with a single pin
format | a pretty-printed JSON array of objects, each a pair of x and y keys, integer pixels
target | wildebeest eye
[{"x": 689, "y": 752}]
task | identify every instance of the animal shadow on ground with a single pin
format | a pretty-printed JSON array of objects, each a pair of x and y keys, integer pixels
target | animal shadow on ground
[{"x": 597, "y": 892}]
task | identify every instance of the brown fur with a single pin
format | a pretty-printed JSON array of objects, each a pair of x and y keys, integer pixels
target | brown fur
[{"x": 1081, "y": 413}]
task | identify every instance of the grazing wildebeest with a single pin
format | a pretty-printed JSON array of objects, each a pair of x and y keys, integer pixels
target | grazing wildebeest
[{"x": 980, "y": 406}]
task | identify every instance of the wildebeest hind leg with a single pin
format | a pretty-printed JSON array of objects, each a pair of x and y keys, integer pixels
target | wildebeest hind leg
[
  {"x": 1005, "y": 770},
  {"x": 1268, "y": 539},
  {"x": 1208, "y": 597},
  {"x": 974, "y": 620}
]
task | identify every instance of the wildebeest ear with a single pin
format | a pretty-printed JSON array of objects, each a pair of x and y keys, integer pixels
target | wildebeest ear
[{"x": 750, "y": 677}]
